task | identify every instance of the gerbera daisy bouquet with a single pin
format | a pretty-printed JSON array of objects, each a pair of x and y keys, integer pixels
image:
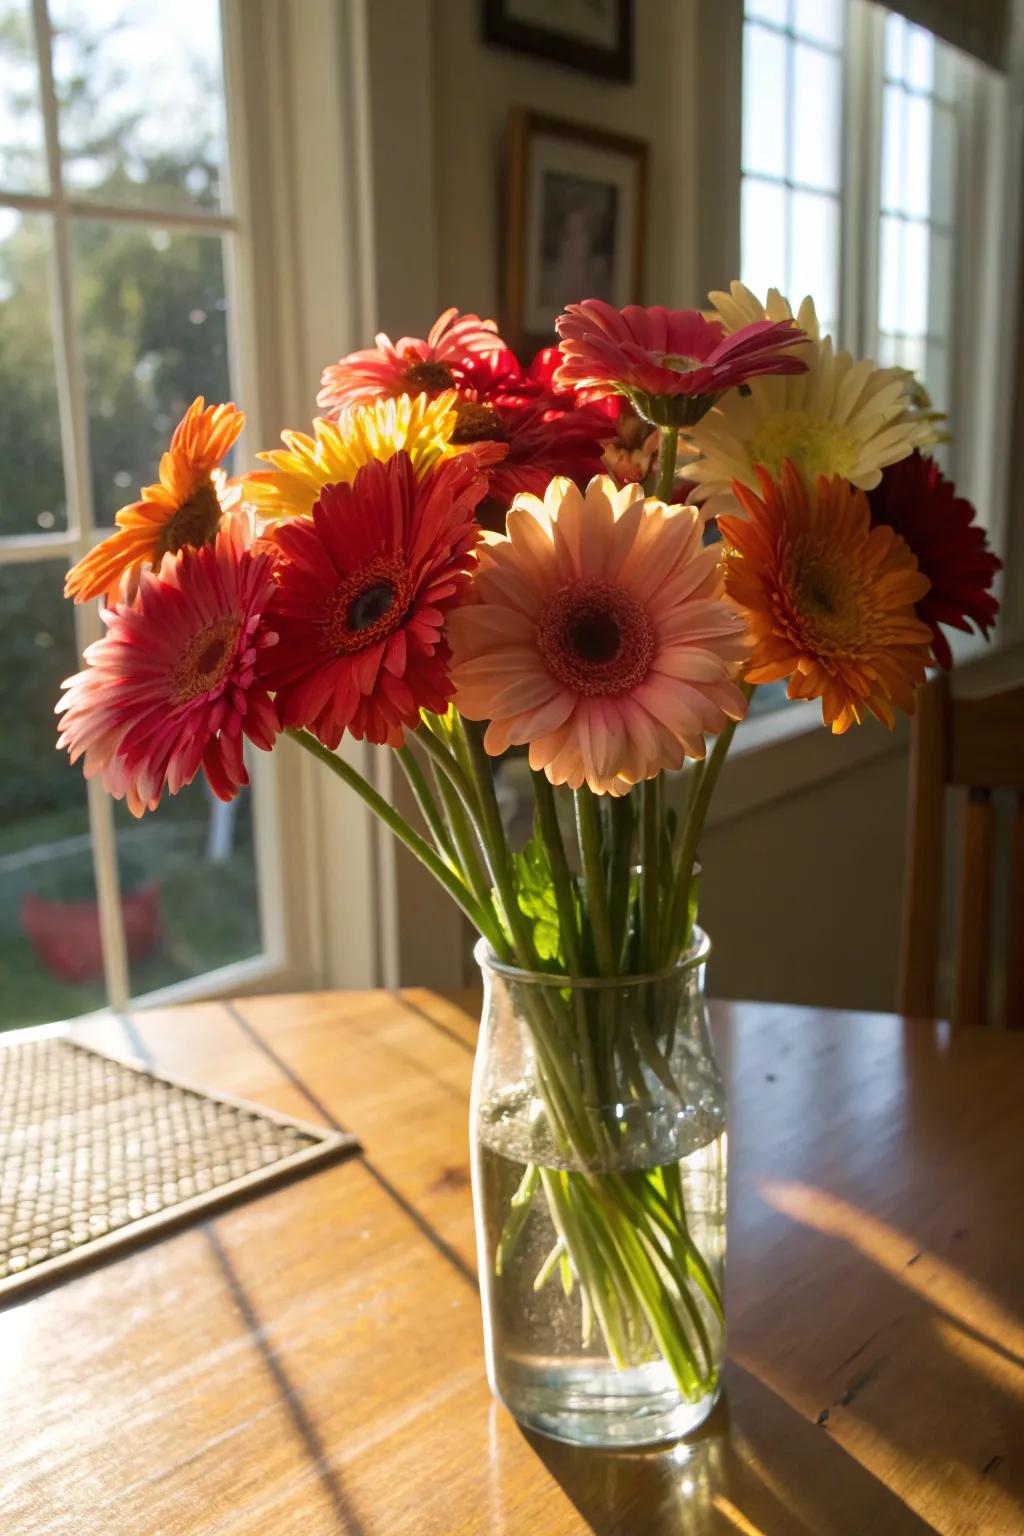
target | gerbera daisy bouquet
[{"x": 591, "y": 557}]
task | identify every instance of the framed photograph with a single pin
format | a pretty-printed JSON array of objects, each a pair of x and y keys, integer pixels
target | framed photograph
[
  {"x": 575, "y": 222},
  {"x": 593, "y": 35}
]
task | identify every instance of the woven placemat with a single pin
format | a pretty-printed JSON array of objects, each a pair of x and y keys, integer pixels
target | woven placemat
[{"x": 98, "y": 1154}]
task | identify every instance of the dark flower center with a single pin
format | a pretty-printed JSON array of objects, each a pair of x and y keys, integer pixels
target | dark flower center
[
  {"x": 476, "y": 421},
  {"x": 206, "y": 660},
  {"x": 367, "y": 605},
  {"x": 195, "y": 522},
  {"x": 370, "y": 606},
  {"x": 428, "y": 377},
  {"x": 596, "y": 638}
]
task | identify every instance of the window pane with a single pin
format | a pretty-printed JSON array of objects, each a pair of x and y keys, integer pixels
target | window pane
[
  {"x": 814, "y": 251},
  {"x": 152, "y": 320},
  {"x": 915, "y": 279},
  {"x": 764, "y": 108},
  {"x": 821, "y": 20},
  {"x": 895, "y": 43},
  {"x": 188, "y": 877},
  {"x": 51, "y": 965},
  {"x": 769, "y": 10},
  {"x": 22, "y": 142},
  {"x": 936, "y": 374},
  {"x": 918, "y": 163},
  {"x": 920, "y": 58},
  {"x": 893, "y": 148},
  {"x": 763, "y": 239},
  {"x": 890, "y": 298},
  {"x": 141, "y": 93},
  {"x": 31, "y": 477},
  {"x": 817, "y": 99}
]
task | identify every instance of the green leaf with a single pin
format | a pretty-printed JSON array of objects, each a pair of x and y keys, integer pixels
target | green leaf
[{"x": 536, "y": 894}]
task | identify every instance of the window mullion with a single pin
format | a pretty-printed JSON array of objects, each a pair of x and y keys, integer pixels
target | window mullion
[
  {"x": 75, "y": 448},
  {"x": 862, "y": 171}
]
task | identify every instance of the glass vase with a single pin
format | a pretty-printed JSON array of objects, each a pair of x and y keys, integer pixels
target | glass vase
[{"x": 599, "y": 1185}]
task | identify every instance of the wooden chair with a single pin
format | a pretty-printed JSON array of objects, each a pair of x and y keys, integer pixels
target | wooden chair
[{"x": 978, "y": 746}]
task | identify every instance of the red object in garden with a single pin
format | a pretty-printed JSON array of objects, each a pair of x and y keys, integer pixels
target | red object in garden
[{"x": 66, "y": 934}]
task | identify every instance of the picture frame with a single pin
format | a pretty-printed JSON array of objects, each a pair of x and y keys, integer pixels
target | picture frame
[
  {"x": 576, "y": 222},
  {"x": 595, "y": 36}
]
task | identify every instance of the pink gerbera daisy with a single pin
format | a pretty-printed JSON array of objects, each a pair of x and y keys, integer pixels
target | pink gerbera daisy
[
  {"x": 599, "y": 635},
  {"x": 363, "y": 588},
  {"x": 671, "y": 363},
  {"x": 409, "y": 366},
  {"x": 174, "y": 684}
]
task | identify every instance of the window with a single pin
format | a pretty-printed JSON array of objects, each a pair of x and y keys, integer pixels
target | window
[
  {"x": 792, "y": 150},
  {"x": 117, "y": 245}
]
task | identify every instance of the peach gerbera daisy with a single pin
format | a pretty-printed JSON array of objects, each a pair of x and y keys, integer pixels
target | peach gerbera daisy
[
  {"x": 184, "y": 510},
  {"x": 418, "y": 426},
  {"x": 174, "y": 686},
  {"x": 830, "y": 599},
  {"x": 599, "y": 635}
]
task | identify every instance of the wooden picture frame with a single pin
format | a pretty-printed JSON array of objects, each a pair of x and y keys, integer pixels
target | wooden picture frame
[
  {"x": 595, "y": 36},
  {"x": 576, "y": 222}
]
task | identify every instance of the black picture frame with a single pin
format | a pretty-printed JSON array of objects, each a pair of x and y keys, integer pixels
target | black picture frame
[{"x": 615, "y": 63}]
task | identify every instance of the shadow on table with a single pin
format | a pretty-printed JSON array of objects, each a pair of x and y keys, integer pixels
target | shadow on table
[{"x": 758, "y": 1468}]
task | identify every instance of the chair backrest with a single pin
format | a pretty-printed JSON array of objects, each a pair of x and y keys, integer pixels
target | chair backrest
[{"x": 976, "y": 745}]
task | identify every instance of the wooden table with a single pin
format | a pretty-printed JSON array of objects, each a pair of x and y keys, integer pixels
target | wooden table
[{"x": 311, "y": 1361}]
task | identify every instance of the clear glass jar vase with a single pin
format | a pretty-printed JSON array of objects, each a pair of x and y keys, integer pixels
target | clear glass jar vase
[{"x": 599, "y": 1184}]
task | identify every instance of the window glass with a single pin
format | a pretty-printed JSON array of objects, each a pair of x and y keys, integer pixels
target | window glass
[
  {"x": 31, "y": 473},
  {"x": 51, "y": 964},
  {"x": 22, "y": 143},
  {"x": 152, "y": 318},
  {"x": 140, "y": 89}
]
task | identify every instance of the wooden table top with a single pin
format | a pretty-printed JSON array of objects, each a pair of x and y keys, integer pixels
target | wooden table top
[{"x": 311, "y": 1361}]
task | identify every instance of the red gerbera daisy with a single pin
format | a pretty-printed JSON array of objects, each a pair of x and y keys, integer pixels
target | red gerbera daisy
[
  {"x": 671, "y": 363},
  {"x": 173, "y": 685},
  {"x": 409, "y": 366},
  {"x": 363, "y": 588},
  {"x": 916, "y": 500},
  {"x": 548, "y": 432}
]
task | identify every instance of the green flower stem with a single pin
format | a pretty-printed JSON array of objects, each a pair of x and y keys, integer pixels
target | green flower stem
[
  {"x": 668, "y": 446},
  {"x": 675, "y": 934},
  {"x": 428, "y": 806},
  {"x": 465, "y": 841},
  {"x": 619, "y": 873},
  {"x": 435, "y": 748},
  {"x": 588, "y": 830},
  {"x": 494, "y": 841},
  {"x": 651, "y": 813},
  {"x": 449, "y": 879},
  {"x": 561, "y": 875}
]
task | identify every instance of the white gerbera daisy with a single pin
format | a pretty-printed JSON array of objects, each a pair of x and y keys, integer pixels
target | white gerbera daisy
[
  {"x": 740, "y": 307},
  {"x": 839, "y": 418}
]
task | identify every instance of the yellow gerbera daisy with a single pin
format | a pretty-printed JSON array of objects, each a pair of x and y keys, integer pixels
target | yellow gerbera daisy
[
  {"x": 839, "y": 418},
  {"x": 415, "y": 424}
]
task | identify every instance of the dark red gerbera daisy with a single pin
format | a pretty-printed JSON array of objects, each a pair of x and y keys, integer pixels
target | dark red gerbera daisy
[
  {"x": 547, "y": 430},
  {"x": 916, "y": 500},
  {"x": 363, "y": 587}
]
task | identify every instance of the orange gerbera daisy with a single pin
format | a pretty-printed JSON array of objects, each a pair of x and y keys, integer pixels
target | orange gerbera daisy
[
  {"x": 184, "y": 510},
  {"x": 830, "y": 599}
]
